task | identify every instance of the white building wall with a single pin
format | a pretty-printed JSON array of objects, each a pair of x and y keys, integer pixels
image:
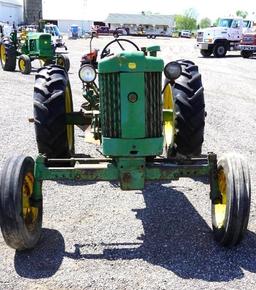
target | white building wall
[
  {"x": 11, "y": 11},
  {"x": 64, "y": 25}
]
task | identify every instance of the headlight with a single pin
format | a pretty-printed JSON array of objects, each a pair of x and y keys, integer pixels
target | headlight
[
  {"x": 172, "y": 70},
  {"x": 87, "y": 73}
]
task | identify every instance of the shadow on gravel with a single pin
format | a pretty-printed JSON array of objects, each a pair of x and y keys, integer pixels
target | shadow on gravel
[
  {"x": 43, "y": 261},
  {"x": 178, "y": 239},
  {"x": 175, "y": 238}
]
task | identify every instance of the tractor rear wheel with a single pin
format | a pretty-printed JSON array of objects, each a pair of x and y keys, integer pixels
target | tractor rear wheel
[
  {"x": 63, "y": 60},
  {"x": 52, "y": 100},
  {"x": 189, "y": 108},
  {"x": 230, "y": 213},
  {"x": 7, "y": 55},
  {"x": 21, "y": 221},
  {"x": 24, "y": 64}
]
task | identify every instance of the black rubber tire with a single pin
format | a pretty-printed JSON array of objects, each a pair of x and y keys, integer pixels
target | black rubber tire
[
  {"x": 238, "y": 191},
  {"x": 206, "y": 52},
  {"x": 18, "y": 233},
  {"x": 50, "y": 112},
  {"x": 10, "y": 50},
  {"x": 26, "y": 59},
  {"x": 246, "y": 53},
  {"x": 63, "y": 60},
  {"x": 188, "y": 97},
  {"x": 219, "y": 50}
]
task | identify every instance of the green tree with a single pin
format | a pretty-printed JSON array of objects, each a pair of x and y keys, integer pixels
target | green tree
[
  {"x": 186, "y": 21},
  {"x": 183, "y": 22},
  {"x": 205, "y": 22},
  {"x": 241, "y": 13},
  {"x": 216, "y": 22}
]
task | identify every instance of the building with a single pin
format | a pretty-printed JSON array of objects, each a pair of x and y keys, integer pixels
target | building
[
  {"x": 32, "y": 11},
  {"x": 19, "y": 11},
  {"x": 11, "y": 11},
  {"x": 142, "y": 23},
  {"x": 65, "y": 24}
]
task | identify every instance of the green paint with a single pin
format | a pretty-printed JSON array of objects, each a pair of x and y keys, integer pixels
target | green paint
[
  {"x": 153, "y": 48},
  {"x": 132, "y": 113},
  {"x": 132, "y": 147},
  {"x": 131, "y": 62},
  {"x": 131, "y": 172}
]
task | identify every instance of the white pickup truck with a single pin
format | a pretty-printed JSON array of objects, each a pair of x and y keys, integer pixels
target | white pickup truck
[{"x": 226, "y": 36}]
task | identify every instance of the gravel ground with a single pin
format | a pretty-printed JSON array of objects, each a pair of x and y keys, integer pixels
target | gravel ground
[{"x": 96, "y": 236}]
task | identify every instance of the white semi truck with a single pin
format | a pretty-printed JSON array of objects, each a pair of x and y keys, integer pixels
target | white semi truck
[{"x": 225, "y": 37}]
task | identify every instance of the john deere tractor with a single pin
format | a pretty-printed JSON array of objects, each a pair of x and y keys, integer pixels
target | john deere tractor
[
  {"x": 148, "y": 132},
  {"x": 28, "y": 47}
]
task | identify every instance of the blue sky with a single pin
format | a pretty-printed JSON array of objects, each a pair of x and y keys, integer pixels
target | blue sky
[{"x": 98, "y": 10}]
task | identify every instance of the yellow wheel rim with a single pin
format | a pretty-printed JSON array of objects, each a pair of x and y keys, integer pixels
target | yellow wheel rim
[
  {"x": 60, "y": 62},
  {"x": 41, "y": 62},
  {"x": 22, "y": 64},
  {"x": 68, "y": 106},
  {"x": 3, "y": 54},
  {"x": 220, "y": 206},
  {"x": 168, "y": 116},
  {"x": 29, "y": 213}
]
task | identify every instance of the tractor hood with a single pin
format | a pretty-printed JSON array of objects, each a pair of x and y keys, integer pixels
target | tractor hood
[{"x": 131, "y": 62}]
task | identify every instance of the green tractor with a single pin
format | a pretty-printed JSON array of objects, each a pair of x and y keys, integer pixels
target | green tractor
[
  {"x": 28, "y": 47},
  {"x": 148, "y": 132}
]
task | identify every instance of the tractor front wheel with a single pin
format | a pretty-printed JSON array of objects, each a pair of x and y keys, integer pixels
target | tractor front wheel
[
  {"x": 63, "y": 60},
  {"x": 7, "y": 55},
  {"x": 230, "y": 213},
  {"x": 52, "y": 100},
  {"x": 21, "y": 220},
  {"x": 24, "y": 64}
]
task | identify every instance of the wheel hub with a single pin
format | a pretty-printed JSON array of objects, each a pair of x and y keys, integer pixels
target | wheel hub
[
  {"x": 22, "y": 64},
  {"x": 29, "y": 213},
  {"x": 221, "y": 50},
  {"x": 221, "y": 205}
]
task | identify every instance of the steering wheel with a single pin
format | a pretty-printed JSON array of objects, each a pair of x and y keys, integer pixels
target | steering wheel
[{"x": 106, "y": 51}]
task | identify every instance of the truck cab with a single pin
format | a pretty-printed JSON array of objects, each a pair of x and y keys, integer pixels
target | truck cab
[
  {"x": 225, "y": 37},
  {"x": 57, "y": 37}
]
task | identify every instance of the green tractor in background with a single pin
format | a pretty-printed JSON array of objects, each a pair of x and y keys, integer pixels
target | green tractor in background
[
  {"x": 28, "y": 46},
  {"x": 149, "y": 130}
]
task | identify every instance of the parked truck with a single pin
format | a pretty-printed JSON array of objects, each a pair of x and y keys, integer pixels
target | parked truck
[
  {"x": 225, "y": 37},
  {"x": 248, "y": 44}
]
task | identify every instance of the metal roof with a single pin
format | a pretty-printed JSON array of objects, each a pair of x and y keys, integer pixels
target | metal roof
[{"x": 144, "y": 19}]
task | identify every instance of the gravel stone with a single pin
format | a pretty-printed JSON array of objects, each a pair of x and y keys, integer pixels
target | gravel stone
[{"x": 96, "y": 236}]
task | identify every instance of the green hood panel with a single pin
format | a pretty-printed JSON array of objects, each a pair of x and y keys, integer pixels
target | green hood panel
[{"x": 131, "y": 62}]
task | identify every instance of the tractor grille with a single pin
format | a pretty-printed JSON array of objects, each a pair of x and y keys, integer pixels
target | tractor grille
[
  {"x": 200, "y": 37},
  {"x": 153, "y": 81},
  {"x": 45, "y": 46},
  {"x": 110, "y": 104},
  {"x": 111, "y": 107}
]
